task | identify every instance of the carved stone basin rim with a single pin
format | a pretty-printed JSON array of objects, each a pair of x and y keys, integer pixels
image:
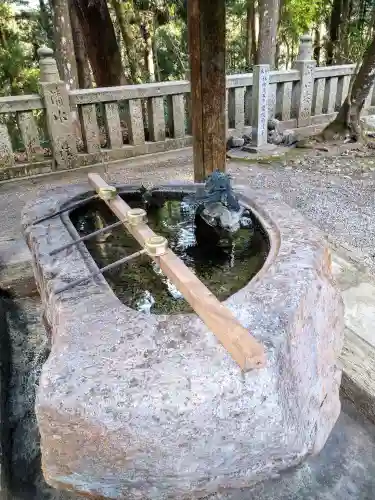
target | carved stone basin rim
[{"x": 151, "y": 407}]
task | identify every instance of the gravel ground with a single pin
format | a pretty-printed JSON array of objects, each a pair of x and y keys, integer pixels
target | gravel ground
[{"x": 335, "y": 193}]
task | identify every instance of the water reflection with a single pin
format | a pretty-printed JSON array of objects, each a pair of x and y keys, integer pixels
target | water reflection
[{"x": 141, "y": 285}]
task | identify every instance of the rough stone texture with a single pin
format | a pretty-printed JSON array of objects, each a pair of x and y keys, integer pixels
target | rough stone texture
[
  {"x": 368, "y": 122},
  {"x": 330, "y": 95},
  {"x": 6, "y": 151},
  {"x": 176, "y": 115},
  {"x": 134, "y": 121},
  {"x": 146, "y": 406},
  {"x": 113, "y": 125},
  {"x": 360, "y": 310},
  {"x": 303, "y": 92},
  {"x": 58, "y": 112},
  {"x": 236, "y": 104},
  {"x": 16, "y": 274},
  {"x": 156, "y": 120},
  {"x": 90, "y": 128},
  {"x": 284, "y": 100},
  {"x": 235, "y": 142},
  {"x": 319, "y": 91},
  {"x": 290, "y": 137},
  {"x": 59, "y": 122},
  {"x": 343, "y": 88},
  {"x": 267, "y": 149},
  {"x": 344, "y": 470},
  {"x": 358, "y": 354},
  {"x": 62, "y": 121},
  {"x": 30, "y": 135},
  {"x": 272, "y": 89},
  {"x": 370, "y": 98}
]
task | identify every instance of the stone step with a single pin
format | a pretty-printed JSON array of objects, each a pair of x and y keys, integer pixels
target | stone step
[
  {"x": 16, "y": 272},
  {"x": 358, "y": 355}
]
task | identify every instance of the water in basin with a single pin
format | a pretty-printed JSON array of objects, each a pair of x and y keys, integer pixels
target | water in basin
[{"x": 224, "y": 268}]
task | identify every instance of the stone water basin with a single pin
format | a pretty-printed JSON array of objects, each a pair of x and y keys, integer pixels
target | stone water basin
[
  {"x": 142, "y": 403},
  {"x": 224, "y": 268}
]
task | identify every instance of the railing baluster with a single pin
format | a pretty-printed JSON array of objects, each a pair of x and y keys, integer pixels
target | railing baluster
[
  {"x": 330, "y": 92},
  {"x": 239, "y": 108},
  {"x": 236, "y": 108},
  {"x": 248, "y": 105},
  {"x": 134, "y": 121},
  {"x": 6, "y": 151},
  {"x": 176, "y": 115},
  {"x": 319, "y": 92},
  {"x": 113, "y": 125},
  {"x": 90, "y": 127},
  {"x": 272, "y": 90},
  {"x": 156, "y": 119},
  {"x": 30, "y": 135},
  {"x": 188, "y": 114},
  {"x": 343, "y": 88},
  {"x": 284, "y": 100},
  {"x": 370, "y": 98}
]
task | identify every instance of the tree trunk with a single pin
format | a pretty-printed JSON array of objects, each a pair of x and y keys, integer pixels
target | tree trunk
[
  {"x": 347, "y": 120},
  {"x": 148, "y": 51},
  {"x": 102, "y": 47},
  {"x": 268, "y": 22},
  {"x": 83, "y": 67},
  {"x": 66, "y": 61},
  {"x": 46, "y": 23},
  {"x": 155, "y": 50},
  {"x": 207, "y": 61},
  {"x": 344, "y": 54},
  {"x": 122, "y": 11},
  {"x": 334, "y": 30},
  {"x": 251, "y": 42},
  {"x": 278, "y": 45},
  {"x": 317, "y": 46},
  {"x": 255, "y": 30},
  {"x": 287, "y": 56}
]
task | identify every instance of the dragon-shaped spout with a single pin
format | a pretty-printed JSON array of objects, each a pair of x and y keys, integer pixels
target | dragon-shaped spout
[{"x": 217, "y": 205}]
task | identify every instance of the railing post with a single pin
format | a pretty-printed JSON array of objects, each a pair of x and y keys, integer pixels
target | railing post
[
  {"x": 304, "y": 89},
  {"x": 259, "y": 112},
  {"x": 58, "y": 112},
  {"x": 6, "y": 151}
]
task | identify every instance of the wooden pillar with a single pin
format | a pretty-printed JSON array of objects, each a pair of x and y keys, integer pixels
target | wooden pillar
[{"x": 206, "y": 19}]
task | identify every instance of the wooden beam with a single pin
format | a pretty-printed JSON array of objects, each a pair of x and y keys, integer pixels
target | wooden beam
[
  {"x": 206, "y": 20},
  {"x": 238, "y": 341}
]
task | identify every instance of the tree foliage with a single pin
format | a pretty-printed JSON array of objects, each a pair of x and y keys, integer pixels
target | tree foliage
[
  {"x": 151, "y": 37},
  {"x": 20, "y": 36}
]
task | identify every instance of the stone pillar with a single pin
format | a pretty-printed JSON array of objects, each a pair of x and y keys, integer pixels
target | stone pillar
[
  {"x": 303, "y": 92},
  {"x": 58, "y": 112},
  {"x": 259, "y": 113}
]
